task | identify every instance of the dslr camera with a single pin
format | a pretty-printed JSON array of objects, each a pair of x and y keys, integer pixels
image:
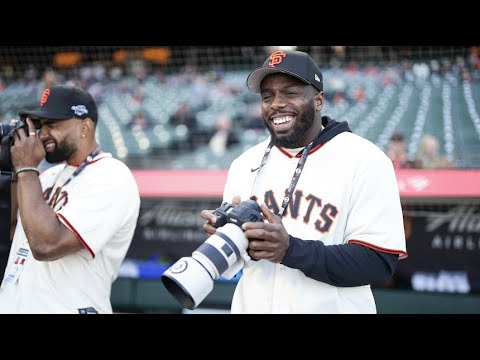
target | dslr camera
[
  {"x": 191, "y": 279},
  {"x": 6, "y": 141}
]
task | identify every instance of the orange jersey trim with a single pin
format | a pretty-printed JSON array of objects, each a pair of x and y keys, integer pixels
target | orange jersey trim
[
  {"x": 403, "y": 254},
  {"x": 285, "y": 152},
  {"x": 77, "y": 235}
]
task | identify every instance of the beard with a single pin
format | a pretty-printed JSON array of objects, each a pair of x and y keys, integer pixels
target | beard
[
  {"x": 62, "y": 152},
  {"x": 294, "y": 140}
]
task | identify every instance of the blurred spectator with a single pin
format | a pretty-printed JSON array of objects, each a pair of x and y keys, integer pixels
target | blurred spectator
[
  {"x": 49, "y": 78},
  {"x": 137, "y": 98},
  {"x": 140, "y": 121},
  {"x": 183, "y": 117},
  {"x": 428, "y": 156},
  {"x": 397, "y": 152},
  {"x": 224, "y": 136},
  {"x": 360, "y": 95},
  {"x": 421, "y": 71}
]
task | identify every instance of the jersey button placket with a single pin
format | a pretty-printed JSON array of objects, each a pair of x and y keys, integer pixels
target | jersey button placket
[{"x": 280, "y": 306}]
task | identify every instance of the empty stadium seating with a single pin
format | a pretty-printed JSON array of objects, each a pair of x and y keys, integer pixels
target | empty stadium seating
[{"x": 441, "y": 105}]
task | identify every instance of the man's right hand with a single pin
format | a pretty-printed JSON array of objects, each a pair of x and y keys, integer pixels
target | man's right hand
[{"x": 210, "y": 218}]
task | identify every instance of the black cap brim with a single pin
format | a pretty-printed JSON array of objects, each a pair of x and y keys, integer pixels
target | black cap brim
[
  {"x": 36, "y": 115},
  {"x": 256, "y": 77}
]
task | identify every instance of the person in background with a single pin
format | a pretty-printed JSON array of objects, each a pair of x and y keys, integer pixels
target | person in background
[
  {"x": 397, "y": 152},
  {"x": 140, "y": 121},
  {"x": 75, "y": 220},
  {"x": 224, "y": 135},
  {"x": 334, "y": 222},
  {"x": 184, "y": 117},
  {"x": 428, "y": 155}
]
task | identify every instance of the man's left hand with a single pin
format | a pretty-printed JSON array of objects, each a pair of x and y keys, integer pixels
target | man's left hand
[{"x": 268, "y": 240}]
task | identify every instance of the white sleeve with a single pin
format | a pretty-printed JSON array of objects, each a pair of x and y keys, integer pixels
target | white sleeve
[
  {"x": 375, "y": 217},
  {"x": 101, "y": 205}
]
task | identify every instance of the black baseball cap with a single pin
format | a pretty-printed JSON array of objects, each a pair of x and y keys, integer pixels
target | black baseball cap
[
  {"x": 61, "y": 102},
  {"x": 294, "y": 63}
]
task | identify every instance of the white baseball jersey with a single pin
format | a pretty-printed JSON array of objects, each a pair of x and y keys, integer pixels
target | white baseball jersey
[
  {"x": 100, "y": 206},
  {"x": 347, "y": 193}
]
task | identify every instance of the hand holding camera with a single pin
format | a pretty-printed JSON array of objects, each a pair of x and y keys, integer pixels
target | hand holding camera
[
  {"x": 269, "y": 240},
  {"x": 20, "y": 147},
  {"x": 224, "y": 253},
  {"x": 210, "y": 218}
]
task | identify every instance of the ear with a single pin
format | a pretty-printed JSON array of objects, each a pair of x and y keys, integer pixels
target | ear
[
  {"x": 87, "y": 126},
  {"x": 319, "y": 101}
]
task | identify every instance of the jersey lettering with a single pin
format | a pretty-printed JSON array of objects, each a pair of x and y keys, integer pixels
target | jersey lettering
[
  {"x": 56, "y": 201},
  {"x": 327, "y": 215},
  {"x": 312, "y": 201},
  {"x": 294, "y": 204},
  {"x": 271, "y": 202}
]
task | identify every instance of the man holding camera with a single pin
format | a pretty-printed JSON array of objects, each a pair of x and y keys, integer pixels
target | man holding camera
[
  {"x": 76, "y": 219},
  {"x": 330, "y": 198}
]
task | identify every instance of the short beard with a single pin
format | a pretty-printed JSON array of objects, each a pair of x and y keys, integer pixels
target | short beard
[
  {"x": 63, "y": 151},
  {"x": 304, "y": 123}
]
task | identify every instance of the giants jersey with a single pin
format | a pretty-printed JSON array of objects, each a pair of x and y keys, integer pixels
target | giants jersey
[
  {"x": 100, "y": 206},
  {"x": 347, "y": 193}
]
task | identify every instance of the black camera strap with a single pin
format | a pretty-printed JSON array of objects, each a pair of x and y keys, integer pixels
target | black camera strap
[
  {"x": 5, "y": 190},
  {"x": 295, "y": 177},
  {"x": 84, "y": 163},
  {"x": 331, "y": 129},
  {"x": 5, "y": 217}
]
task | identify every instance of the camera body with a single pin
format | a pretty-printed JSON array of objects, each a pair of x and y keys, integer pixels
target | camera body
[
  {"x": 8, "y": 129},
  {"x": 6, "y": 141},
  {"x": 191, "y": 279},
  {"x": 247, "y": 211}
]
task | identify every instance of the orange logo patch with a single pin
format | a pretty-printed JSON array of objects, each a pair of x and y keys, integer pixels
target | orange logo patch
[
  {"x": 45, "y": 95},
  {"x": 276, "y": 58}
]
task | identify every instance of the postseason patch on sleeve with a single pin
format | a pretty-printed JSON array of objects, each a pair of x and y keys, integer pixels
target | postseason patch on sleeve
[{"x": 88, "y": 310}]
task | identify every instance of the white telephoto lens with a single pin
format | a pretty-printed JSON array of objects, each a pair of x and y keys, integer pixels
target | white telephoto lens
[{"x": 188, "y": 281}]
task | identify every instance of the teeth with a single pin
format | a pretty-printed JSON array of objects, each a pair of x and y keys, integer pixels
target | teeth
[{"x": 282, "y": 120}]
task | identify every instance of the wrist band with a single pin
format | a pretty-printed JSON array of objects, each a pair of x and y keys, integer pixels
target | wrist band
[{"x": 15, "y": 176}]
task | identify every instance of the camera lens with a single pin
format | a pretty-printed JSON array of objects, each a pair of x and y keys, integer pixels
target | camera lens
[{"x": 4, "y": 130}]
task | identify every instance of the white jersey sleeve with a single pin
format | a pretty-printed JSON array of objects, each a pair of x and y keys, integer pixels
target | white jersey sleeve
[
  {"x": 106, "y": 200},
  {"x": 375, "y": 207}
]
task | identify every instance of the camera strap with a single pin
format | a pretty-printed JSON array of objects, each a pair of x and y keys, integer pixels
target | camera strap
[
  {"x": 84, "y": 163},
  {"x": 331, "y": 129},
  {"x": 295, "y": 177},
  {"x": 5, "y": 189},
  {"x": 5, "y": 206}
]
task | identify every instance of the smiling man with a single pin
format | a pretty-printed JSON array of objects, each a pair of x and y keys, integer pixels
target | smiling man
[{"x": 334, "y": 223}]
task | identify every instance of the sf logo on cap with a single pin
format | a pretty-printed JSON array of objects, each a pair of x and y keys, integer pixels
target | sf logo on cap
[
  {"x": 276, "y": 58},
  {"x": 45, "y": 95}
]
